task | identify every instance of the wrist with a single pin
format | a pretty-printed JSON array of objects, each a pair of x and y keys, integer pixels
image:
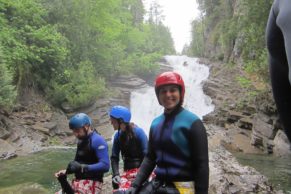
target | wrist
[{"x": 84, "y": 168}]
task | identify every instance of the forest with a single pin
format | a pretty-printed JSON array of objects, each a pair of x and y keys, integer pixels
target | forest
[
  {"x": 67, "y": 50},
  {"x": 232, "y": 31}
]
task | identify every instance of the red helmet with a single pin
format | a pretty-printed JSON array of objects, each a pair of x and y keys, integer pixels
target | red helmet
[{"x": 170, "y": 78}]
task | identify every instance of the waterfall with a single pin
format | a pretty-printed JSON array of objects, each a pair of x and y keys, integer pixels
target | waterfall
[{"x": 144, "y": 104}]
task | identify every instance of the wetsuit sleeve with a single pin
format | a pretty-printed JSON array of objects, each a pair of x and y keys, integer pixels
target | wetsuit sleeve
[
  {"x": 147, "y": 166},
  {"x": 142, "y": 137},
  {"x": 115, "y": 155},
  {"x": 199, "y": 152},
  {"x": 100, "y": 147}
]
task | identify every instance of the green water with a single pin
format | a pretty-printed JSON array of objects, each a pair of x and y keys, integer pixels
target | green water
[
  {"x": 277, "y": 169},
  {"x": 35, "y": 168}
]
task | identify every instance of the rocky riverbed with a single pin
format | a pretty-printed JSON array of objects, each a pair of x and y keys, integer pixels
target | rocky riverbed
[{"x": 235, "y": 125}]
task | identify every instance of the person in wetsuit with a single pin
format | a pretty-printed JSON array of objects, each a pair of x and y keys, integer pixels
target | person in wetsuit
[
  {"x": 178, "y": 146},
  {"x": 278, "y": 35},
  {"x": 91, "y": 159},
  {"x": 129, "y": 140}
]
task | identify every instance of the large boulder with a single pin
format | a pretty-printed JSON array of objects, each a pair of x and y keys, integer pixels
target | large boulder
[
  {"x": 227, "y": 175},
  {"x": 282, "y": 146}
]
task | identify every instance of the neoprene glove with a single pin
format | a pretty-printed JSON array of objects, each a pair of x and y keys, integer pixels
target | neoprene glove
[
  {"x": 76, "y": 167},
  {"x": 131, "y": 190},
  {"x": 116, "y": 179}
]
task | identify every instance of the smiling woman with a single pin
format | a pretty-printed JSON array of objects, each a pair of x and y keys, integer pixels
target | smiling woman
[
  {"x": 178, "y": 17},
  {"x": 177, "y": 149}
]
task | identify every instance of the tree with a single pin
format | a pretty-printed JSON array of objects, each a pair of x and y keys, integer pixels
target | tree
[
  {"x": 32, "y": 48},
  {"x": 7, "y": 90}
]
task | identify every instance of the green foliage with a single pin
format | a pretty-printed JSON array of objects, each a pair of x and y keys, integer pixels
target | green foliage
[
  {"x": 67, "y": 49},
  {"x": 243, "y": 81},
  {"x": 228, "y": 30},
  {"x": 197, "y": 45},
  {"x": 7, "y": 90},
  {"x": 32, "y": 48},
  {"x": 77, "y": 87},
  {"x": 258, "y": 65}
]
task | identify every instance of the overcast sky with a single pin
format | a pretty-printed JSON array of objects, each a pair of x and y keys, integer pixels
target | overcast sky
[{"x": 178, "y": 17}]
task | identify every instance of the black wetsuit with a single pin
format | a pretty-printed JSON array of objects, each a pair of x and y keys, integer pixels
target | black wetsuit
[
  {"x": 178, "y": 150},
  {"x": 278, "y": 35}
]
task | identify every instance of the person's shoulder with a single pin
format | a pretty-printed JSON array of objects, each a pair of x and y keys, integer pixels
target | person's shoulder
[
  {"x": 116, "y": 134},
  {"x": 188, "y": 115},
  {"x": 159, "y": 118},
  {"x": 97, "y": 138},
  {"x": 138, "y": 130}
]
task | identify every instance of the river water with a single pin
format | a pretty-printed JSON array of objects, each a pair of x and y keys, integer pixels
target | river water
[
  {"x": 40, "y": 167},
  {"x": 35, "y": 168}
]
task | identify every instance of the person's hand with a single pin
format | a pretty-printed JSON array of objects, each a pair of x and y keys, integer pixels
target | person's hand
[
  {"x": 131, "y": 190},
  {"x": 75, "y": 167},
  {"x": 116, "y": 179},
  {"x": 60, "y": 173}
]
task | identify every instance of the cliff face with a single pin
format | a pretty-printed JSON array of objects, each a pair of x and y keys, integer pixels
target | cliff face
[
  {"x": 249, "y": 124},
  {"x": 35, "y": 124}
]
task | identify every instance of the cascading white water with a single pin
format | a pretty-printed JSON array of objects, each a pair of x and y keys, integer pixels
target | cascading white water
[{"x": 144, "y": 104}]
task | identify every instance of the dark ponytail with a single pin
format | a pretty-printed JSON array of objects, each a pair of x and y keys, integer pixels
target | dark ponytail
[{"x": 128, "y": 134}]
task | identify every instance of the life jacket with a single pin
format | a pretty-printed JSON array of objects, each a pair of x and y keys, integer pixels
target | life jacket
[{"x": 86, "y": 155}]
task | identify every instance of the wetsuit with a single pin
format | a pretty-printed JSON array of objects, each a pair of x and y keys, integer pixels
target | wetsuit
[
  {"x": 278, "y": 35},
  {"x": 93, "y": 151},
  {"x": 178, "y": 149},
  {"x": 132, "y": 150}
]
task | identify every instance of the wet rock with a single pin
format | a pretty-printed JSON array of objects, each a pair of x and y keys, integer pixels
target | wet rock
[
  {"x": 281, "y": 145},
  {"x": 69, "y": 109},
  {"x": 8, "y": 155},
  {"x": 7, "y": 150},
  {"x": 127, "y": 81},
  {"x": 50, "y": 125},
  {"x": 234, "y": 116},
  {"x": 228, "y": 176},
  {"x": 245, "y": 123},
  {"x": 39, "y": 127},
  {"x": 257, "y": 140},
  {"x": 4, "y": 134}
]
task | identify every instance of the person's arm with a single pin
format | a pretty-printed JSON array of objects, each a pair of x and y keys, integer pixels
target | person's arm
[
  {"x": 199, "y": 153},
  {"x": 99, "y": 145},
  {"x": 115, "y": 156}
]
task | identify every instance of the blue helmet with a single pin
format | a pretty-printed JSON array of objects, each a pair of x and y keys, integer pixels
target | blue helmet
[
  {"x": 120, "y": 112},
  {"x": 79, "y": 120}
]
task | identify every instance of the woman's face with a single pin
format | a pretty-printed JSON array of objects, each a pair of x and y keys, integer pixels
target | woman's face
[
  {"x": 114, "y": 123},
  {"x": 169, "y": 97}
]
